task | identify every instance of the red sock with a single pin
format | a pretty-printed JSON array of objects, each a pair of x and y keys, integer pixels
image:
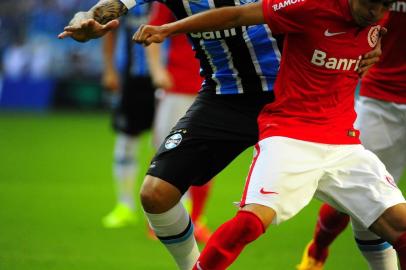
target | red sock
[
  {"x": 329, "y": 225},
  {"x": 400, "y": 246},
  {"x": 228, "y": 241},
  {"x": 198, "y": 195}
]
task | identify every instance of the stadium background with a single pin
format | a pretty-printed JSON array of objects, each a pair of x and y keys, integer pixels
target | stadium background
[{"x": 55, "y": 162}]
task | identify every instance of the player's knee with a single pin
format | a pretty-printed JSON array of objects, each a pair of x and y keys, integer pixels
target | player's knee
[
  {"x": 396, "y": 216},
  {"x": 264, "y": 213},
  {"x": 392, "y": 223},
  {"x": 158, "y": 196},
  {"x": 124, "y": 148}
]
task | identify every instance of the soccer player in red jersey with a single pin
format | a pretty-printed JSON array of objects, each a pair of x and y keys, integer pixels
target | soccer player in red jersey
[
  {"x": 179, "y": 81},
  {"x": 238, "y": 65},
  {"x": 381, "y": 120},
  {"x": 308, "y": 145}
]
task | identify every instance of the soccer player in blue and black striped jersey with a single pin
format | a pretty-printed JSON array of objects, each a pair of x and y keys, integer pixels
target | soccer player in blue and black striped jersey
[
  {"x": 239, "y": 66},
  {"x": 126, "y": 74}
]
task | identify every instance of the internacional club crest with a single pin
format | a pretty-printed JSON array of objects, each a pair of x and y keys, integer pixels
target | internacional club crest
[
  {"x": 173, "y": 141},
  {"x": 373, "y": 35}
]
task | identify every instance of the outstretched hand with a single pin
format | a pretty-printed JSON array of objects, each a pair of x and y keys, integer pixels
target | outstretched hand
[
  {"x": 371, "y": 58},
  {"x": 147, "y": 34},
  {"x": 83, "y": 28}
]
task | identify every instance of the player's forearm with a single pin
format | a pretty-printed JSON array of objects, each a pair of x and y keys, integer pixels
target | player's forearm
[
  {"x": 107, "y": 10},
  {"x": 218, "y": 19},
  {"x": 109, "y": 47},
  {"x": 154, "y": 59}
]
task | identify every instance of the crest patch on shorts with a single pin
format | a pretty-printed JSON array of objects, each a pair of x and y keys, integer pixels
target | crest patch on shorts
[{"x": 173, "y": 141}]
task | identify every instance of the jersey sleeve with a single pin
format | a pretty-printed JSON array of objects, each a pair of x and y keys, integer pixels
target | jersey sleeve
[
  {"x": 131, "y": 3},
  {"x": 160, "y": 14},
  {"x": 287, "y": 16}
]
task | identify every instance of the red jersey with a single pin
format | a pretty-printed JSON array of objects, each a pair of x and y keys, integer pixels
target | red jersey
[
  {"x": 387, "y": 79},
  {"x": 315, "y": 87},
  {"x": 182, "y": 64}
]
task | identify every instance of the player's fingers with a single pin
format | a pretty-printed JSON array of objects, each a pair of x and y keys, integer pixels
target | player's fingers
[
  {"x": 64, "y": 34},
  {"x": 362, "y": 70},
  {"x": 143, "y": 34},
  {"x": 152, "y": 39},
  {"x": 362, "y": 74},
  {"x": 140, "y": 35},
  {"x": 373, "y": 54},
  {"x": 369, "y": 61},
  {"x": 111, "y": 25},
  {"x": 71, "y": 28},
  {"x": 136, "y": 34},
  {"x": 87, "y": 24},
  {"x": 147, "y": 42},
  {"x": 376, "y": 52}
]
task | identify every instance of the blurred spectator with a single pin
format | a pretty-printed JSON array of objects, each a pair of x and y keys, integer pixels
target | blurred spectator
[
  {"x": 16, "y": 59},
  {"x": 29, "y": 49}
]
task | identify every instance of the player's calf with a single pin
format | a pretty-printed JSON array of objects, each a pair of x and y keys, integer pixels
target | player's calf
[
  {"x": 229, "y": 240},
  {"x": 169, "y": 220}
]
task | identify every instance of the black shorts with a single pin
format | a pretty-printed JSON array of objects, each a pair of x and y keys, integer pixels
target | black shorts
[
  {"x": 135, "y": 109},
  {"x": 213, "y": 132}
]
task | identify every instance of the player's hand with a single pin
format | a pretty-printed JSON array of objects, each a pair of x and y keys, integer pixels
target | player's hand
[
  {"x": 83, "y": 27},
  {"x": 147, "y": 34},
  {"x": 111, "y": 80},
  {"x": 371, "y": 58}
]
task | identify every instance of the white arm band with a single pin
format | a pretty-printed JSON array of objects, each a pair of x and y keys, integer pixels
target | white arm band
[{"x": 128, "y": 3}]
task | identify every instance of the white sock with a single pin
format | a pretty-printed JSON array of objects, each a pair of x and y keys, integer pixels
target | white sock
[
  {"x": 379, "y": 254},
  {"x": 125, "y": 166},
  {"x": 174, "y": 229}
]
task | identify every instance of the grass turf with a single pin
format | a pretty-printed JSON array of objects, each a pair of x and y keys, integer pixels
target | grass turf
[{"x": 55, "y": 185}]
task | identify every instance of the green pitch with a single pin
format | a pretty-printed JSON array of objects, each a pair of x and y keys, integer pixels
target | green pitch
[{"x": 55, "y": 185}]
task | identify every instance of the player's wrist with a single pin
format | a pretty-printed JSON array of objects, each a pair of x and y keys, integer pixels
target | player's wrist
[
  {"x": 169, "y": 29},
  {"x": 82, "y": 16}
]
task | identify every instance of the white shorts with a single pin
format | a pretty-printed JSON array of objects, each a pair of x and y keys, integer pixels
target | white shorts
[
  {"x": 287, "y": 173},
  {"x": 171, "y": 107},
  {"x": 383, "y": 131}
]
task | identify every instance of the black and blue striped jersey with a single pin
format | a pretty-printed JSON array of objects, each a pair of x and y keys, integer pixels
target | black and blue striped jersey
[
  {"x": 131, "y": 58},
  {"x": 232, "y": 61}
]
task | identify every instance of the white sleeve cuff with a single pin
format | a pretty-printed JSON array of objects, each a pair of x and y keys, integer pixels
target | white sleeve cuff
[{"x": 128, "y": 3}]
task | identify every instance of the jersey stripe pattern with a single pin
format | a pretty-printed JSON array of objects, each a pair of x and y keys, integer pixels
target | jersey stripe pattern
[
  {"x": 232, "y": 61},
  {"x": 132, "y": 59}
]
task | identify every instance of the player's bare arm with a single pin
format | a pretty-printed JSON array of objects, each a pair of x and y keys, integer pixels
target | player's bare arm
[
  {"x": 161, "y": 77},
  {"x": 110, "y": 76},
  {"x": 96, "y": 22},
  {"x": 217, "y": 19}
]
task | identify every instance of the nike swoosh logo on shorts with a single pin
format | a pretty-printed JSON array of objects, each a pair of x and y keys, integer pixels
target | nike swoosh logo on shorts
[
  {"x": 263, "y": 191},
  {"x": 330, "y": 34}
]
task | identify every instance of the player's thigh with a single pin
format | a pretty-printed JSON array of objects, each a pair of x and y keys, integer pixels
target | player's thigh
[
  {"x": 383, "y": 131},
  {"x": 214, "y": 130},
  {"x": 357, "y": 183},
  {"x": 283, "y": 175},
  {"x": 185, "y": 158}
]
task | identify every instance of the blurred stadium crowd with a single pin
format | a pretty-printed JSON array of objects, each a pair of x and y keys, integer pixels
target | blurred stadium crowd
[{"x": 36, "y": 69}]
